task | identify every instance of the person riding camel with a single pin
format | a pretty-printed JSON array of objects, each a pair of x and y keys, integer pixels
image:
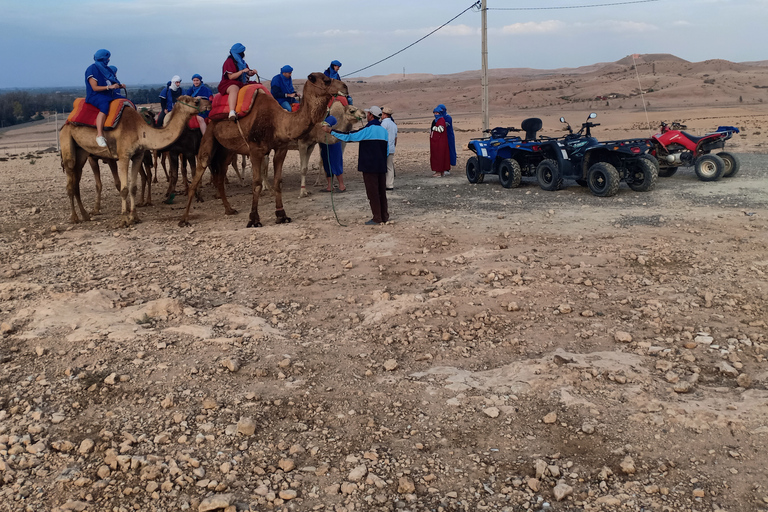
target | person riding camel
[
  {"x": 100, "y": 86},
  {"x": 282, "y": 88},
  {"x": 234, "y": 75}
]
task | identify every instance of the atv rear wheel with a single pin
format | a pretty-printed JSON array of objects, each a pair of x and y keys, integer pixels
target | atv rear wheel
[
  {"x": 666, "y": 172},
  {"x": 603, "y": 179},
  {"x": 473, "y": 170},
  {"x": 548, "y": 174},
  {"x": 510, "y": 173},
  {"x": 643, "y": 174},
  {"x": 732, "y": 164},
  {"x": 709, "y": 167}
]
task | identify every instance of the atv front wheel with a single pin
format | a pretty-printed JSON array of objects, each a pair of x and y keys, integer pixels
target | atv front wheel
[
  {"x": 473, "y": 170},
  {"x": 732, "y": 164},
  {"x": 548, "y": 175},
  {"x": 603, "y": 179},
  {"x": 709, "y": 167},
  {"x": 643, "y": 174},
  {"x": 510, "y": 173}
]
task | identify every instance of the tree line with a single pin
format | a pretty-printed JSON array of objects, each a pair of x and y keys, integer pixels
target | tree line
[{"x": 18, "y": 107}]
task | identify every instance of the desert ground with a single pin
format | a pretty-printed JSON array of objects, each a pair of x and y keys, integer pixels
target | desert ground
[{"x": 487, "y": 349}]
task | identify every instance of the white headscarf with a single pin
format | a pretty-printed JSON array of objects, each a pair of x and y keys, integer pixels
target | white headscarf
[{"x": 176, "y": 78}]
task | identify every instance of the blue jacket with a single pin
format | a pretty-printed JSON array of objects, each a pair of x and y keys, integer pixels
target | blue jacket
[{"x": 374, "y": 142}]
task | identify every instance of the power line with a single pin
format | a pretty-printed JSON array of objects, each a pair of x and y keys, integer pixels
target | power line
[
  {"x": 475, "y": 5},
  {"x": 567, "y": 6}
]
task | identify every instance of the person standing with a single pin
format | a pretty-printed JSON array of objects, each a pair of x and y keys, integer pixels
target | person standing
[
  {"x": 372, "y": 161},
  {"x": 200, "y": 90},
  {"x": 168, "y": 97},
  {"x": 282, "y": 88},
  {"x": 234, "y": 75},
  {"x": 451, "y": 136},
  {"x": 100, "y": 86},
  {"x": 439, "y": 154},
  {"x": 389, "y": 124}
]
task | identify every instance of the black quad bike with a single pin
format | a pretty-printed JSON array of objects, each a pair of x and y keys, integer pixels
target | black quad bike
[
  {"x": 509, "y": 157},
  {"x": 601, "y": 166}
]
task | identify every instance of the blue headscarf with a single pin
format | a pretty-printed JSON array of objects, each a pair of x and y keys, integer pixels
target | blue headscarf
[
  {"x": 332, "y": 73},
  {"x": 235, "y": 52},
  {"x": 101, "y": 58},
  {"x": 285, "y": 84},
  {"x": 195, "y": 89},
  {"x": 449, "y": 130}
]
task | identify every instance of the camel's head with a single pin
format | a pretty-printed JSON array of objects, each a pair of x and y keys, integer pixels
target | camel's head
[
  {"x": 355, "y": 113},
  {"x": 325, "y": 84},
  {"x": 198, "y": 104}
]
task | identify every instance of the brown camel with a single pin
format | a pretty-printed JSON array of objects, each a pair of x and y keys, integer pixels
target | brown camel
[
  {"x": 126, "y": 144},
  {"x": 145, "y": 172},
  {"x": 266, "y": 127},
  {"x": 346, "y": 117}
]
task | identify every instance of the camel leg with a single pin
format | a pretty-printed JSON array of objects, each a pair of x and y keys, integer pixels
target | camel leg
[
  {"x": 258, "y": 159},
  {"x": 173, "y": 178},
  {"x": 135, "y": 166},
  {"x": 123, "y": 166},
  {"x": 277, "y": 163},
  {"x": 265, "y": 174},
  {"x": 199, "y": 190},
  {"x": 146, "y": 165},
  {"x": 218, "y": 172},
  {"x": 163, "y": 158},
  {"x": 183, "y": 166},
  {"x": 204, "y": 155},
  {"x": 97, "y": 178},
  {"x": 74, "y": 170},
  {"x": 305, "y": 153}
]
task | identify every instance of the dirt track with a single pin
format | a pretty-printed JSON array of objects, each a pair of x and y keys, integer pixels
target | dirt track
[{"x": 490, "y": 349}]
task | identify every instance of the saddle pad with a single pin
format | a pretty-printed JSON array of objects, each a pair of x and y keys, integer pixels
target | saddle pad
[
  {"x": 245, "y": 98},
  {"x": 84, "y": 114},
  {"x": 193, "y": 123}
]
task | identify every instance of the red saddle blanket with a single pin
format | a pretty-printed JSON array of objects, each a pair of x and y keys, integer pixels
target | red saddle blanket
[
  {"x": 245, "y": 98},
  {"x": 85, "y": 114}
]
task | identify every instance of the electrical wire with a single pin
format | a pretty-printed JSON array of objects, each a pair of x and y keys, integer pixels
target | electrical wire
[
  {"x": 566, "y": 6},
  {"x": 475, "y": 5}
]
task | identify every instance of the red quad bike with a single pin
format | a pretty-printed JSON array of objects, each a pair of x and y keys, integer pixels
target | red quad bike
[{"x": 674, "y": 148}]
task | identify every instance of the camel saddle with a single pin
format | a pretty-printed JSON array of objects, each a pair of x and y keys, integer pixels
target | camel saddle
[
  {"x": 84, "y": 114},
  {"x": 340, "y": 99},
  {"x": 245, "y": 98}
]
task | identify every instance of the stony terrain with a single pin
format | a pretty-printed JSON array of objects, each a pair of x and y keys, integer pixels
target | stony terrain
[{"x": 489, "y": 349}]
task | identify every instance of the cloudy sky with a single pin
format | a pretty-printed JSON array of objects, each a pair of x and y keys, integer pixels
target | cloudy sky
[{"x": 51, "y": 42}]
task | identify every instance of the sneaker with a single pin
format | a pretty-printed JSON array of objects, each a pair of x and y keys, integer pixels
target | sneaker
[
  {"x": 371, "y": 223},
  {"x": 390, "y": 189},
  {"x": 232, "y": 115},
  {"x": 101, "y": 141},
  {"x": 447, "y": 173}
]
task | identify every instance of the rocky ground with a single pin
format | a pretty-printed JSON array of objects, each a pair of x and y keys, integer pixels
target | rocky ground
[{"x": 489, "y": 349}]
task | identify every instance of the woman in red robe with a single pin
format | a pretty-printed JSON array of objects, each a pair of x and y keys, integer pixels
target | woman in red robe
[{"x": 439, "y": 152}]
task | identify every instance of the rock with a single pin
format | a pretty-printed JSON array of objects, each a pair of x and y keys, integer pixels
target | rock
[
  {"x": 683, "y": 387},
  {"x": 744, "y": 381},
  {"x": 215, "y": 502},
  {"x": 491, "y": 412},
  {"x": 622, "y": 337},
  {"x": 348, "y": 488},
  {"x": 588, "y": 428},
  {"x": 167, "y": 402},
  {"x": 390, "y": 365},
  {"x": 564, "y": 309},
  {"x": 699, "y": 493},
  {"x": 405, "y": 485},
  {"x": 540, "y": 467},
  {"x": 103, "y": 472},
  {"x": 628, "y": 465},
  {"x": 209, "y": 403},
  {"x": 562, "y": 490},
  {"x": 110, "y": 379},
  {"x": 533, "y": 484},
  {"x": 357, "y": 473},
  {"x": 86, "y": 446},
  {"x": 231, "y": 363},
  {"x": 57, "y": 418},
  {"x": 246, "y": 426},
  {"x": 727, "y": 369},
  {"x": 704, "y": 339},
  {"x": 550, "y": 418},
  {"x": 286, "y": 465},
  {"x": 288, "y": 494}
]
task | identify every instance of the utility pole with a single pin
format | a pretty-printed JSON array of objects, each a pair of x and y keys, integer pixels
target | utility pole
[
  {"x": 484, "y": 77},
  {"x": 56, "y": 130}
]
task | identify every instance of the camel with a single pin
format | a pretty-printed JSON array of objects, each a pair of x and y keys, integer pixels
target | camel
[
  {"x": 266, "y": 127},
  {"x": 126, "y": 144},
  {"x": 346, "y": 117},
  {"x": 145, "y": 171}
]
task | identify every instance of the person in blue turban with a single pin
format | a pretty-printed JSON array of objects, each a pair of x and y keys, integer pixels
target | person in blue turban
[
  {"x": 333, "y": 72},
  {"x": 449, "y": 131},
  {"x": 200, "y": 90},
  {"x": 282, "y": 88},
  {"x": 234, "y": 75},
  {"x": 100, "y": 86}
]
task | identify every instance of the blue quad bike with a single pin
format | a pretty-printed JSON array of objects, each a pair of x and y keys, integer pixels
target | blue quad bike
[
  {"x": 601, "y": 166},
  {"x": 509, "y": 157}
]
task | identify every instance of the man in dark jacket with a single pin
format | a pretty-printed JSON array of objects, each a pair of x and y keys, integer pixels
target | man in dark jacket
[{"x": 372, "y": 161}]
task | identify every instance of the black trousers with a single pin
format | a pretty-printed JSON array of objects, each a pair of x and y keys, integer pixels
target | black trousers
[{"x": 376, "y": 189}]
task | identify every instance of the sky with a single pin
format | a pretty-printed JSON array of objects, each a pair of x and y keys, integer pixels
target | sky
[{"x": 50, "y": 43}]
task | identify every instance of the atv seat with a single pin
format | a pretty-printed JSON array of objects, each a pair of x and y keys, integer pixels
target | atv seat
[
  {"x": 531, "y": 126},
  {"x": 694, "y": 138}
]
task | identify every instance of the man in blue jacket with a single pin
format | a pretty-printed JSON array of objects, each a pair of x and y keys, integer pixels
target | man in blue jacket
[
  {"x": 282, "y": 88},
  {"x": 371, "y": 161}
]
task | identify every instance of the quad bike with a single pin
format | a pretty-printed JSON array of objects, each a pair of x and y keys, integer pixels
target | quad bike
[
  {"x": 601, "y": 166},
  {"x": 510, "y": 158},
  {"x": 674, "y": 148}
]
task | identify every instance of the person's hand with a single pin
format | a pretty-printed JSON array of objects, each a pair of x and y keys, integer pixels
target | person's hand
[{"x": 251, "y": 72}]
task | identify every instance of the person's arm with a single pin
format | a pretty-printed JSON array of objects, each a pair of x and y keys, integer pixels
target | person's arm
[{"x": 99, "y": 88}]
